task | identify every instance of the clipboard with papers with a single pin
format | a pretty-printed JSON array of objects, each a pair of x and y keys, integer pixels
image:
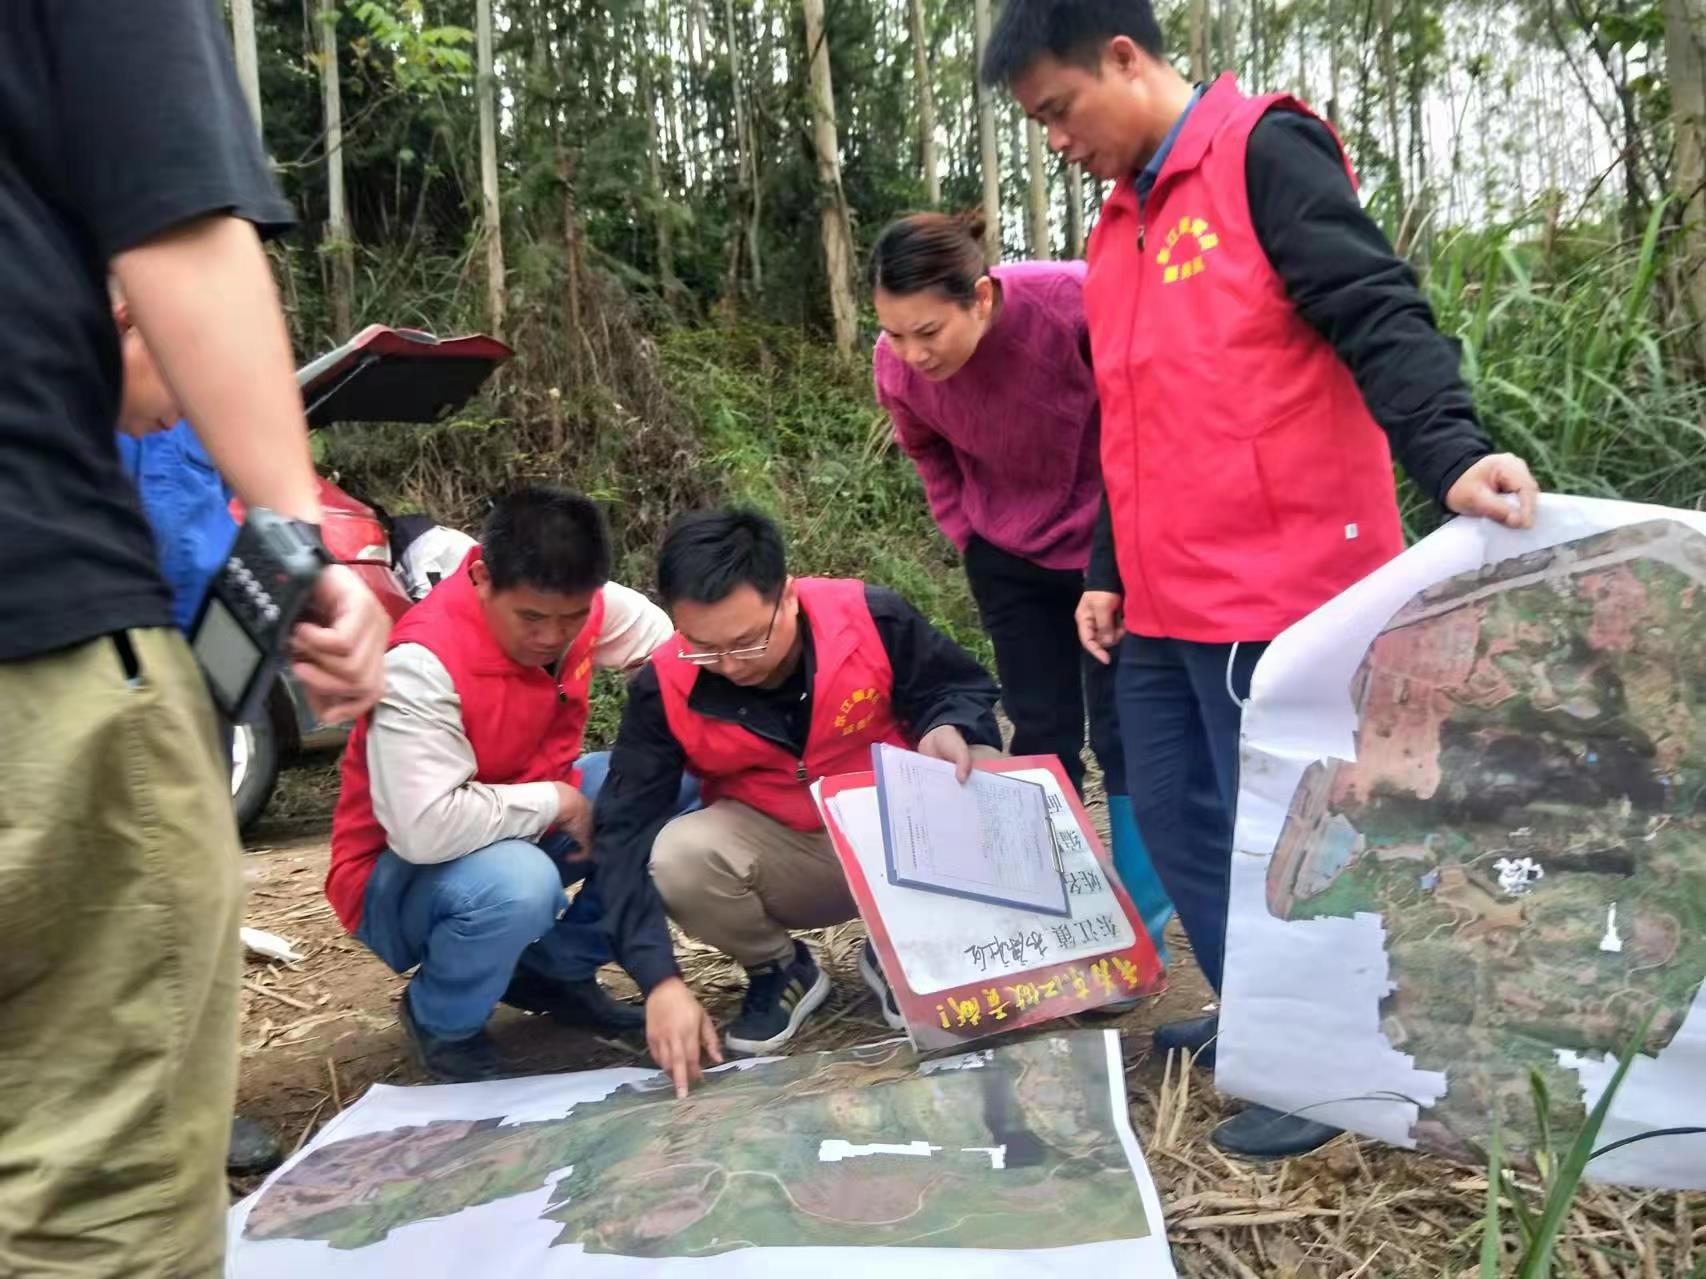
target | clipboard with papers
[
  {"x": 989, "y": 840},
  {"x": 962, "y": 966}
]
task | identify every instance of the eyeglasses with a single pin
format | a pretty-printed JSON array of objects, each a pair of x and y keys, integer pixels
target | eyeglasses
[{"x": 734, "y": 654}]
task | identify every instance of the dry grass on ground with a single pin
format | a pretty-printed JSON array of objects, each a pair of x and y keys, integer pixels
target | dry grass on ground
[{"x": 317, "y": 1033}]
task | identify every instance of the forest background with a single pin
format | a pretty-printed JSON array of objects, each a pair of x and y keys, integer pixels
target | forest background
[{"x": 665, "y": 206}]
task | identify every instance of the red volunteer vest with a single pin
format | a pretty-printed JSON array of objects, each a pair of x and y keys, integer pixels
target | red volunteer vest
[
  {"x": 1247, "y": 481},
  {"x": 852, "y": 687},
  {"x": 524, "y": 724}
]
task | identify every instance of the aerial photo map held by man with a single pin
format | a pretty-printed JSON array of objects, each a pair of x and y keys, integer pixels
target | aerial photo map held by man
[
  {"x": 1016, "y": 1148},
  {"x": 1524, "y": 814}
]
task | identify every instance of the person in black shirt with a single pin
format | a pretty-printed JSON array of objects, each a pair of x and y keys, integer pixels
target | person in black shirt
[
  {"x": 769, "y": 684},
  {"x": 125, "y": 148}
]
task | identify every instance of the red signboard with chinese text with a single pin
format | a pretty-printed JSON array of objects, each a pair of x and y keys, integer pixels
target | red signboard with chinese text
[{"x": 965, "y": 969}]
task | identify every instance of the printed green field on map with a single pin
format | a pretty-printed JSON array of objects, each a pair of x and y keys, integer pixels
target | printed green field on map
[
  {"x": 1024, "y": 1153},
  {"x": 1525, "y": 816}
]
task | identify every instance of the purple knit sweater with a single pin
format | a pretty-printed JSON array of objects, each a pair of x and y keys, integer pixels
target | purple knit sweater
[{"x": 1009, "y": 447}]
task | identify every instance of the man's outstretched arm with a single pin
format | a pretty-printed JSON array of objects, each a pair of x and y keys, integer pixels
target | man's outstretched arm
[{"x": 638, "y": 797}]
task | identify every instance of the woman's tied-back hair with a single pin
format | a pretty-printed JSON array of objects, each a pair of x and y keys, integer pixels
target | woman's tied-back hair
[{"x": 942, "y": 251}]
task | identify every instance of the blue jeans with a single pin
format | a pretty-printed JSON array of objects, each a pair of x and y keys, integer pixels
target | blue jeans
[
  {"x": 1181, "y": 726},
  {"x": 469, "y": 923}
]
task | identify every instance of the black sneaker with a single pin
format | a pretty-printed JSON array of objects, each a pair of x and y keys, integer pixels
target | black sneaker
[
  {"x": 452, "y": 1061},
  {"x": 779, "y": 997},
  {"x": 571, "y": 1003},
  {"x": 872, "y": 972}
]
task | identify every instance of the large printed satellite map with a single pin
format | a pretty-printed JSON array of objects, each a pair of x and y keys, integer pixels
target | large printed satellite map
[
  {"x": 1012, "y": 1148},
  {"x": 1525, "y": 815}
]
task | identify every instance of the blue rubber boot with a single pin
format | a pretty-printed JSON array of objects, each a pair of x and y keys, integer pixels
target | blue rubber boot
[{"x": 1131, "y": 862}]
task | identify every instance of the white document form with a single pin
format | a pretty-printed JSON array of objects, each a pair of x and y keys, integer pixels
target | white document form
[
  {"x": 944, "y": 942},
  {"x": 989, "y": 839}
]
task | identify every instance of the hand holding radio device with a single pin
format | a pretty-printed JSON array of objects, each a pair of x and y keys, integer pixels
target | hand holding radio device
[{"x": 240, "y": 632}]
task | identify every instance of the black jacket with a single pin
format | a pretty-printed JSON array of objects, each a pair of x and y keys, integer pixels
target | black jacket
[
  {"x": 1345, "y": 280},
  {"x": 936, "y": 682}
]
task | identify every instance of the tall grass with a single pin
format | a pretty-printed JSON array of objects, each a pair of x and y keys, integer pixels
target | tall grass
[
  {"x": 792, "y": 429},
  {"x": 1531, "y": 1253},
  {"x": 1573, "y": 363}
]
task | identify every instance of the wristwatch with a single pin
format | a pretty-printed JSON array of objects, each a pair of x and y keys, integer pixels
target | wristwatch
[{"x": 312, "y": 538}]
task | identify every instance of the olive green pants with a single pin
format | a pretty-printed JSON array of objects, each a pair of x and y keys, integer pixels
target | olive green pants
[{"x": 120, "y": 887}]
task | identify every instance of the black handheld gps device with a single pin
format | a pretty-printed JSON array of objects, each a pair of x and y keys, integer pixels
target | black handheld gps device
[{"x": 239, "y": 633}]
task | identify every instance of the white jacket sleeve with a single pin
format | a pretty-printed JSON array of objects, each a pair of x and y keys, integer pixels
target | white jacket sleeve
[
  {"x": 633, "y": 628},
  {"x": 421, "y": 769}
]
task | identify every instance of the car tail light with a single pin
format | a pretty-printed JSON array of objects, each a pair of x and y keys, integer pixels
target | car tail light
[{"x": 355, "y": 537}]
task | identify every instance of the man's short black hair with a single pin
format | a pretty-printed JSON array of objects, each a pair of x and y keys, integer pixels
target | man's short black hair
[
  {"x": 707, "y": 555},
  {"x": 548, "y": 539},
  {"x": 1074, "y": 31}
]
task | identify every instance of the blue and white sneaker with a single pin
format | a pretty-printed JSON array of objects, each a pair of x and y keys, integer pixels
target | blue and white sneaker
[
  {"x": 779, "y": 998},
  {"x": 872, "y": 972}
]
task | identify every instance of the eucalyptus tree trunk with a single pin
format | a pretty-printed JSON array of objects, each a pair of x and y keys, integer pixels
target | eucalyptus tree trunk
[
  {"x": 1685, "y": 59},
  {"x": 1335, "y": 62},
  {"x": 1036, "y": 184},
  {"x": 837, "y": 227},
  {"x": 656, "y": 138},
  {"x": 1199, "y": 41},
  {"x": 747, "y": 179},
  {"x": 926, "y": 106},
  {"x": 337, "y": 213},
  {"x": 491, "y": 228},
  {"x": 1074, "y": 211},
  {"x": 248, "y": 60},
  {"x": 986, "y": 138},
  {"x": 1389, "y": 92}
]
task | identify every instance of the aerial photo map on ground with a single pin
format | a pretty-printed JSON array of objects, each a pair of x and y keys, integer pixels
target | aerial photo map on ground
[
  {"x": 1525, "y": 815},
  {"x": 1008, "y": 1149}
]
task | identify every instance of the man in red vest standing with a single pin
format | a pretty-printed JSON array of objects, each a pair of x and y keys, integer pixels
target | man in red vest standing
[
  {"x": 1260, "y": 353},
  {"x": 466, "y": 806},
  {"x": 769, "y": 683}
]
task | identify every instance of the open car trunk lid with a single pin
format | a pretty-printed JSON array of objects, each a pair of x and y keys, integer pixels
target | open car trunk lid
[{"x": 397, "y": 375}]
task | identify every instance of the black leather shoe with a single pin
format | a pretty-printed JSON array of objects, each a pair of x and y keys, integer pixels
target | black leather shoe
[
  {"x": 572, "y": 1003},
  {"x": 453, "y": 1061},
  {"x": 1258, "y": 1132},
  {"x": 253, "y": 1150},
  {"x": 1195, "y": 1036}
]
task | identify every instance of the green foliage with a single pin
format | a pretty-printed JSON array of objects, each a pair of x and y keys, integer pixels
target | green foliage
[
  {"x": 747, "y": 413},
  {"x": 423, "y": 59},
  {"x": 789, "y": 428},
  {"x": 1561, "y": 1174},
  {"x": 1572, "y": 364}
]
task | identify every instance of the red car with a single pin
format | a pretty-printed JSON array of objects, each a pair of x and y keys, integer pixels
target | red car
[{"x": 379, "y": 375}]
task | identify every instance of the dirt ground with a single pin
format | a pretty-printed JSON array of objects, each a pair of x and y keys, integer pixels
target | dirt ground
[{"x": 317, "y": 1033}]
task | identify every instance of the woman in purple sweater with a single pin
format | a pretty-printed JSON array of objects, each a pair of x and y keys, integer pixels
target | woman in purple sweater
[{"x": 985, "y": 373}]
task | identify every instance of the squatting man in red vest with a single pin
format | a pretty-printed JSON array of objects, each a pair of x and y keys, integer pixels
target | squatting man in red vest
[
  {"x": 1260, "y": 352},
  {"x": 466, "y": 806},
  {"x": 769, "y": 683}
]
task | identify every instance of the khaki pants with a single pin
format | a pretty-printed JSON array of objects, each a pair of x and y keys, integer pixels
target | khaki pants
[
  {"x": 120, "y": 889},
  {"x": 739, "y": 880}
]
